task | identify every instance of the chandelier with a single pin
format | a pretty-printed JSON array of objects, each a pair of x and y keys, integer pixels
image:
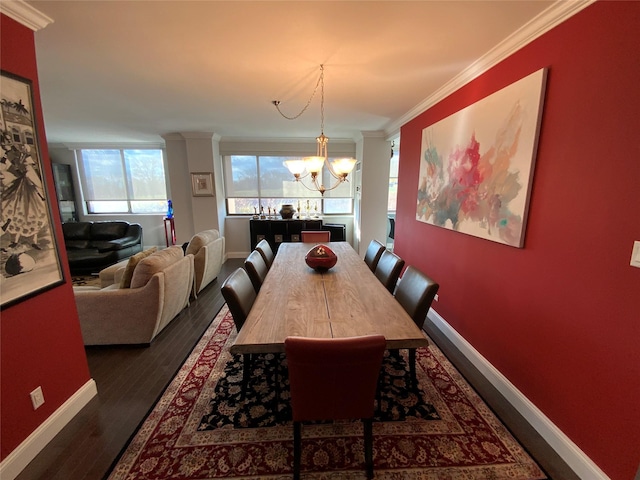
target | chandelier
[{"x": 338, "y": 168}]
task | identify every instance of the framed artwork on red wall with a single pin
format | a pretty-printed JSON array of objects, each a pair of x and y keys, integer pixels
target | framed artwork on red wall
[
  {"x": 29, "y": 256},
  {"x": 476, "y": 165}
]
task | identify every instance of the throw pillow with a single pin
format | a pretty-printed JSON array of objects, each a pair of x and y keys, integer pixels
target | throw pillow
[
  {"x": 125, "y": 281},
  {"x": 155, "y": 263}
]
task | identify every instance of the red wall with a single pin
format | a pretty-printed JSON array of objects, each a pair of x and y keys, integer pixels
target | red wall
[
  {"x": 41, "y": 343},
  {"x": 559, "y": 318}
]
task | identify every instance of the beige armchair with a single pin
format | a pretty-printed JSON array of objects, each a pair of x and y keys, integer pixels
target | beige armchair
[
  {"x": 207, "y": 248},
  {"x": 161, "y": 284}
]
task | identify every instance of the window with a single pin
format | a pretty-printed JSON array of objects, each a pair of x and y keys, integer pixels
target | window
[
  {"x": 253, "y": 182},
  {"x": 123, "y": 181},
  {"x": 393, "y": 183}
]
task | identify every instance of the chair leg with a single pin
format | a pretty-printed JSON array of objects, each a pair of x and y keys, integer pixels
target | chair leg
[
  {"x": 368, "y": 446},
  {"x": 412, "y": 367},
  {"x": 246, "y": 372},
  {"x": 276, "y": 379},
  {"x": 297, "y": 449},
  {"x": 379, "y": 396}
]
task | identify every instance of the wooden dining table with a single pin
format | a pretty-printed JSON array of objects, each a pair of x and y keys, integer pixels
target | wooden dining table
[{"x": 345, "y": 301}]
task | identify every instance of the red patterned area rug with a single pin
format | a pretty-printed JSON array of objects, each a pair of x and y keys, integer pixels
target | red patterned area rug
[{"x": 203, "y": 427}]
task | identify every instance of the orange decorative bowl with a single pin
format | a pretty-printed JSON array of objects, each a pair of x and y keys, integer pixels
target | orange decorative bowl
[{"x": 321, "y": 258}]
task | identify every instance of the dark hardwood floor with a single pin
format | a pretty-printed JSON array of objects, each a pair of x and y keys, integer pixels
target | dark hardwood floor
[{"x": 131, "y": 379}]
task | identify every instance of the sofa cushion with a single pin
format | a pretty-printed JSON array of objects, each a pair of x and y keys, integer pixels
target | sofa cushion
[
  {"x": 201, "y": 239},
  {"x": 76, "y": 230},
  {"x": 104, "y": 245},
  {"x": 108, "y": 230},
  {"x": 125, "y": 281},
  {"x": 76, "y": 244},
  {"x": 154, "y": 263}
]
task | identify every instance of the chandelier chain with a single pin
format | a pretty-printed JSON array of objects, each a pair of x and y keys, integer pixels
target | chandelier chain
[
  {"x": 321, "y": 99},
  {"x": 339, "y": 168},
  {"x": 319, "y": 83}
]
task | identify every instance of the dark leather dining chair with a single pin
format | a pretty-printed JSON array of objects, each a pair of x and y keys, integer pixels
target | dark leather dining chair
[
  {"x": 239, "y": 294},
  {"x": 265, "y": 250},
  {"x": 334, "y": 379},
  {"x": 388, "y": 269},
  {"x": 315, "y": 236},
  {"x": 373, "y": 254},
  {"x": 256, "y": 269},
  {"x": 415, "y": 292}
]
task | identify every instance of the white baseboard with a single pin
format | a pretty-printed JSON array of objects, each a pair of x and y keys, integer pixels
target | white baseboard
[
  {"x": 575, "y": 458},
  {"x": 17, "y": 460}
]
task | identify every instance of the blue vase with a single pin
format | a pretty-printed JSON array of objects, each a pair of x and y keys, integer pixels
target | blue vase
[{"x": 169, "y": 209}]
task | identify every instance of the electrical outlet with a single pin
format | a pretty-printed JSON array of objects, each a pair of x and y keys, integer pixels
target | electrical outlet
[
  {"x": 37, "y": 398},
  {"x": 436, "y": 298}
]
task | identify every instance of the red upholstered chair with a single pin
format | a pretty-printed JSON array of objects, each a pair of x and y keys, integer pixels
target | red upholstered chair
[
  {"x": 315, "y": 236},
  {"x": 333, "y": 379},
  {"x": 265, "y": 250},
  {"x": 388, "y": 269},
  {"x": 256, "y": 268},
  {"x": 373, "y": 254},
  {"x": 415, "y": 292}
]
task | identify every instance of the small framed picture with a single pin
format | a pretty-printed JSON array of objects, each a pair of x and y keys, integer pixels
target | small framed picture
[{"x": 202, "y": 184}]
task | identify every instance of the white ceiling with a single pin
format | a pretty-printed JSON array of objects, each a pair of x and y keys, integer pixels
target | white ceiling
[{"x": 131, "y": 71}]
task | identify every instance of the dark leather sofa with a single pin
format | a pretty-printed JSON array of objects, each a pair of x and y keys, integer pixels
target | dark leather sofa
[{"x": 92, "y": 246}]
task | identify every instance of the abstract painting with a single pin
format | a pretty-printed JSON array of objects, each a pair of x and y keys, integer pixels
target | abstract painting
[
  {"x": 476, "y": 166},
  {"x": 29, "y": 260}
]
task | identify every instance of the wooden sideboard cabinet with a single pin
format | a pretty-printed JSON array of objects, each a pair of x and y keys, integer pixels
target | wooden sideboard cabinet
[{"x": 278, "y": 231}]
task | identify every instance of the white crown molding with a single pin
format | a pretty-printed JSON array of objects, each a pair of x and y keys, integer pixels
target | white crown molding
[
  {"x": 107, "y": 145},
  {"x": 370, "y": 134},
  {"x": 310, "y": 140},
  {"x": 25, "y": 14},
  {"x": 284, "y": 147},
  {"x": 172, "y": 136},
  {"x": 575, "y": 458},
  {"x": 197, "y": 135},
  {"x": 536, "y": 27},
  {"x": 18, "y": 459}
]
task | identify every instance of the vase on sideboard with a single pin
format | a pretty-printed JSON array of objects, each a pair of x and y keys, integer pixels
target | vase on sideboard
[{"x": 287, "y": 211}]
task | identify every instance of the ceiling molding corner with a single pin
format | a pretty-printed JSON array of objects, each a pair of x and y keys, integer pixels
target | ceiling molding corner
[
  {"x": 373, "y": 133},
  {"x": 557, "y": 13},
  {"x": 172, "y": 136},
  {"x": 197, "y": 135},
  {"x": 25, "y": 14}
]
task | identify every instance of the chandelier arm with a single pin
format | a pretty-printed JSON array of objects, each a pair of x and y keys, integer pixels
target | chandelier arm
[
  {"x": 320, "y": 81},
  {"x": 332, "y": 172},
  {"x": 337, "y": 184},
  {"x": 300, "y": 177},
  {"x": 322, "y": 188},
  {"x": 315, "y": 183}
]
